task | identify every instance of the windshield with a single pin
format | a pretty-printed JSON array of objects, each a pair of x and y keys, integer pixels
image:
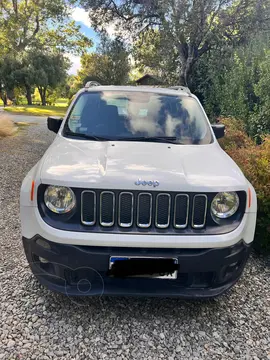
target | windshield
[{"x": 138, "y": 116}]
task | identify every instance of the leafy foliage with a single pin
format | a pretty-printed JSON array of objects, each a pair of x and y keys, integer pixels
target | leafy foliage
[
  {"x": 49, "y": 71},
  {"x": 109, "y": 65},
  {"x": 153, "y": 55},
  {"x": 45, "y": 71},
  {"x": 235, "y": 82},
  {"x": 40, "y": 26},
  {"x": 260, "y": 120},
  {"x": 8, "y": 80},
  {"x": 254, "y": 160},
  {"x": 189, "y": 28},
  {"x": 28, "y": 24}
]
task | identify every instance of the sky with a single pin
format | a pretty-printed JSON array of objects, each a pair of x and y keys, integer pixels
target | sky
[{"x": 80, "y": 16}]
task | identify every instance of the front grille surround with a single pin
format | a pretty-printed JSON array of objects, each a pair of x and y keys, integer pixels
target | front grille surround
[
  {"x": 149, "y": 210},
  {"x": 178, "y": 225}
]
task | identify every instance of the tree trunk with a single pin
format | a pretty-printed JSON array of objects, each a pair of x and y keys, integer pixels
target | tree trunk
[
  {"x": 188, "y": 55},
  {"x": 185, "y": 72},
  {"x": 28, "y": 94},
  {"x": 3, "y": 96},
  {"x": 43, "y": 99},
  {"x": 182, "y": 79},
  {"x": 42, "y": 93},
  {"x": 10, "y": 95}
]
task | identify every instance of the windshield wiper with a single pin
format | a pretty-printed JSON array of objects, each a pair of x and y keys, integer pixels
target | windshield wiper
[
  {"x": 166, "y": 139},
  {"x": 88, "y": 137}
]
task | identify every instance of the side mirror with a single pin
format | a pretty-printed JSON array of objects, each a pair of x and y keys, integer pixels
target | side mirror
[
  {"x": 54, "y": 123},
  {"x": 219, "y": 130}
]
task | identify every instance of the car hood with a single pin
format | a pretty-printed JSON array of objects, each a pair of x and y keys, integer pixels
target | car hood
[{"x": 118, "y": 165}]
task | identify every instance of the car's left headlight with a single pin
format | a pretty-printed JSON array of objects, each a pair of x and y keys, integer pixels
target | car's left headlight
[
  {"x": 59, "y": 199},
  {"x": 225, "y": 204}
]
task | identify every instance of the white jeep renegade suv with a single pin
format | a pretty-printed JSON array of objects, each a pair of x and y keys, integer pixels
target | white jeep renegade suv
[{"x": 136, "y": 197}]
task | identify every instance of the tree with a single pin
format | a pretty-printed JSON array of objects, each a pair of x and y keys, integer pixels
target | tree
[
  {"x": 49, "y": 71},
  {"x": 234, "y": 82},
  {"x": 35, "y": 24},
  {"x": 153, "y": 55},
  {"x": 35, "y": 69},
  {"x": 29, "y": 26},
  {"x": 71, "y": 86},
  {"x": 190, "y": 28},
  {"x": 109, "y": 65},
  {"x": 63, "y": 38},
  {"x": 260, "y": 124},
  {"x": 8, "y": 79},
  {"x": 26, "y": 78}
]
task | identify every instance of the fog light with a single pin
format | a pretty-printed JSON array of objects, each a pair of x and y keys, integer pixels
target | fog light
[
  {"x": 42, "y": 260},
  {"x": 43, "y": 243}
]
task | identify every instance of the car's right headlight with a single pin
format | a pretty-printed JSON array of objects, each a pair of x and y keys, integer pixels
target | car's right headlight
[
  {"x": 59, "y": 199},
  {"x": 225, "y": 204}
]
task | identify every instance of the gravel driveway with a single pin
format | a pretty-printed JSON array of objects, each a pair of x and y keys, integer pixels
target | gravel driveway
[{"x": 37, "y": 324}]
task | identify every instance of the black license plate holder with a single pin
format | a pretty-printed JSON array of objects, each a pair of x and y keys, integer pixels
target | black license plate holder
[{"x": 143, "y": 267}]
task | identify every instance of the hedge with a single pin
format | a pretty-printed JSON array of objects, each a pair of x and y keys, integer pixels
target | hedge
[{"x": 254, "y": 161}]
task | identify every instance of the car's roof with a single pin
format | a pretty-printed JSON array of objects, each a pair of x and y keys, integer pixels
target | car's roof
[{"x": 157, "y": 90}]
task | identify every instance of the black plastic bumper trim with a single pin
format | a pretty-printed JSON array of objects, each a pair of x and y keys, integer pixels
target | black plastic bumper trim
[{"x": 82, "y": 270}]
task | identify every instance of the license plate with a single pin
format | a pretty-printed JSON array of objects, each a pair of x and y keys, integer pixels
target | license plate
[{"x": 146, "y": 267}]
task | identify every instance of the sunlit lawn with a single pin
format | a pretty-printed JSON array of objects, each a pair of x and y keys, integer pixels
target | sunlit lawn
[{"x": 38, "y": 110}]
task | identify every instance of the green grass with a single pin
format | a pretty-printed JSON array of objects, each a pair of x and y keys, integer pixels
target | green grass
[
  {"x": 38, "y": 110},
  {"x": 62, "y": 102}
]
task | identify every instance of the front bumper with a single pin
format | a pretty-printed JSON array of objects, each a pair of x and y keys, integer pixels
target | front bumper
[{"x": 82, "y": 270}]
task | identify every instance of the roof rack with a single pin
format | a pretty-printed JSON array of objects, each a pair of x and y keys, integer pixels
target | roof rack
[
  {"x": 91, "y": 84},
  {"x": 182, "y": 88}
]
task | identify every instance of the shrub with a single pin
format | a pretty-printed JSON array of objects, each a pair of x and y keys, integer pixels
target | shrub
[
  {"x": 254, "y": 161},
  {"x": 7, "y": 127},
  {"x": 236, "y": 137}
]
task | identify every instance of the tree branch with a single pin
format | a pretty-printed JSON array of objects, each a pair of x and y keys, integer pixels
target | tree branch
[
  {"x": 15, "y": 7},
  {"x": 134, "y": 16},
  {"x": 206, "y": 47},
  {"x": 37, "y": 26}
]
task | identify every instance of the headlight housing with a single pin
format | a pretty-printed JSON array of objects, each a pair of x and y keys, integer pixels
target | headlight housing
[
  {"x": 59, "y": 199},
  {"x": 225, "y": 204}
]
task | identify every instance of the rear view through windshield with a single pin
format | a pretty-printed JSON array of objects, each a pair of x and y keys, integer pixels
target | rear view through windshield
[{"x": 142, "y": 116}]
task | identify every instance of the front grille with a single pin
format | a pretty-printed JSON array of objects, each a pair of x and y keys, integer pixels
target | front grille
[
  {"x": 181, "y": 208},
  {"x": 199, "y": 211},
  {"x": 107, "y": 208},
  {"x": 143, "y": 210},
  {"x": 163, "y": 205},
  {"x": 126, "y": 208},
  {"x": 88, "y": 215}
]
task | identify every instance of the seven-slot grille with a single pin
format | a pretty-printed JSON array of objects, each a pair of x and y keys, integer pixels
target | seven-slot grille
[{"x": 143, "y": 209}]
